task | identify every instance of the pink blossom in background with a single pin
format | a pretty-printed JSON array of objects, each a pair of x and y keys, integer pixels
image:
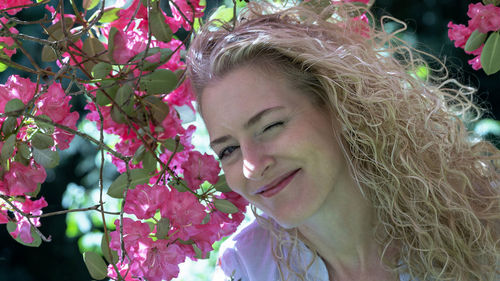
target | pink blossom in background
[
  {"x": 23, "y": 227},
  {"x": 484, "y": 18},
  {"x": 186, "y": 9},
  {"x": 55, "y": 104},
  {"x": 5, "y": 4},
  {"x": 458, "y": 33},
  {"x": 9, "y": 41},
  {"x": 22, "y": 179},
  {"x": 127, "y": 45},
  {"x": 4, "y": 217},
  {"x": 16, "y": 87},
  {"x": 200, "y": 168}
]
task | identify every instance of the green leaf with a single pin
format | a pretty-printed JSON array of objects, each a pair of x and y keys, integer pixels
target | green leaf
[
  {"x": 162, "y": 228},
  {"x": 494, "y": 2},
  {"x": 105, "y": 250},
  {"x": 223, "y": 13},
  {"x": 48, "y": 54},
  {"x": 111, "y": 42},
  {"x": 139, "y": 155},
  {"x": 225, "y": 206},
  {"x": 490, "y": 57},
  {"x": 46, "y": 127},
  {"x": 110, "y": 88},
  {"x": 475, "y": 40},
  {"x": 158, "y": 108},
  {"x": 109, "y": 15},
  {"x": 24, "y": 150},
  {"x": 95, "y": 265},
  {"x": 89, "y": 4},
  {"x": 8, "y": 148},
  {"x": 221, "y": 184},
  {"x": 159, "y": 81},
  {"x": 199, "y": 254},
  {"x": 101, "y": 70},
  {"x": 181, "y": 186},
  {"x": 14, "y": 105},
  {"x": 159, "y": 28},
  {"x": 3, "y": 67},
  {"x": 9, "y": 125},
  {"x": 42, "y": 141},
  {"x": 170, "y": 145},
  {"x": 55, "y": 31},
  {"x": 137, "y": 176},
  {"x": 46, "y": 157},
  {"x": 125, "y": 99},
  {"x": 117, "y": 115},
  {"x": 149, "y": 162},
  {"x": 93, "y": 48},
  {"x": 37, "y": 240}
]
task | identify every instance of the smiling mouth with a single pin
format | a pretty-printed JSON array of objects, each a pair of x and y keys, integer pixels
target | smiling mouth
[{"x": 277, "y": 185}]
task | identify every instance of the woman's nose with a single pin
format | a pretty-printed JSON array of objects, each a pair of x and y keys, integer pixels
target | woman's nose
[{"x": 256, "y": 161}]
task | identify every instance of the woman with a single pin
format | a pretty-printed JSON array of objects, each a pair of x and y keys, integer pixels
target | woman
[{"x": 363, "y": 170}]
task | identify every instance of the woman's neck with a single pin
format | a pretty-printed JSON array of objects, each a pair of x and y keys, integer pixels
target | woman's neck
[{"x": 342, "y": 232}]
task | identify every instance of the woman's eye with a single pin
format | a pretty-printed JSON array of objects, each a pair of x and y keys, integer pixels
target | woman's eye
[
  {"x": 226, "y": 152},
  {"x": 273, "y": 126}
]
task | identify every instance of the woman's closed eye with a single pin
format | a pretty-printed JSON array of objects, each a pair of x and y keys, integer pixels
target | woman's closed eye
[
  {"x": 273, "y": 126},
  {"x": 227, "y": 151}
]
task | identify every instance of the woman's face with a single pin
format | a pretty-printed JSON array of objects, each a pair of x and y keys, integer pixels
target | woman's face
[{"x": 277, "y": 149}]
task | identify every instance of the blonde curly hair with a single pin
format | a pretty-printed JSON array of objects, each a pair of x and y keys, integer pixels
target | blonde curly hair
[{"x": 435, "y": 187}]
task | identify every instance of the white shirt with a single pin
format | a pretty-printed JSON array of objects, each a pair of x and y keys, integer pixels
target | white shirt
[{"x": 247, "y": 256}]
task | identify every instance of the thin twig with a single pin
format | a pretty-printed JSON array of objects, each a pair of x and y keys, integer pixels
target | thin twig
[{"x": 98, "y": 208}]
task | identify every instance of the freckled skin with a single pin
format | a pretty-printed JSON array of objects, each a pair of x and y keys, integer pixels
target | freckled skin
[{"x": 260, "y": 154}]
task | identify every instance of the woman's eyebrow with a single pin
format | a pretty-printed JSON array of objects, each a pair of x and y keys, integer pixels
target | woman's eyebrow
[
  {"x": 252, "y": 121},
  {"x": 256, "y": 118}
]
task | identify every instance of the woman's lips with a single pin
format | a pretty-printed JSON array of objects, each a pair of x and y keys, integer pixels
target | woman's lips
[{"x": 279, "y": 184}]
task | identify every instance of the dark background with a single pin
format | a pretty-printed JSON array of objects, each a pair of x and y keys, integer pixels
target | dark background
[{"x": 61, "y": 259}]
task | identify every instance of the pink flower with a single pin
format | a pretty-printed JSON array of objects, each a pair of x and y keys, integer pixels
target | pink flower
[
  {"x": 200, "y": 168},
  {"x": 21, "y": 179},
  {"x": 123, "y": 269},
  {"x": 187, "y": 10},
  {"x": 144, "y": 200},
  {"x": 475, "y": 62},
  {"x": 459, "y": 33},
  {"x": 9, "y": 49},
  {"x": 160, "y": 260},
  {"x": 182, "y": 208},
  {"x": 4, "y": 217},
  {"x": 55, "y": 104},
  {"x": 132, "y": 232},
  {"x": 129, "y": 44},
  {"x": 16, "y": 87},
  {"x": 182, "y": 95},
  {"x": 6, "y": 4},
  {"x": 484, "y": 18},
  {"x": 23, "y": 227}
]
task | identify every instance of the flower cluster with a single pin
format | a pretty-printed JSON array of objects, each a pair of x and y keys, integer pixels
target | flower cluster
[
  {"x": 484, "y": 20},
  {"x": 25, "y": 142},
  {"x": 176, "y": 204}
]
